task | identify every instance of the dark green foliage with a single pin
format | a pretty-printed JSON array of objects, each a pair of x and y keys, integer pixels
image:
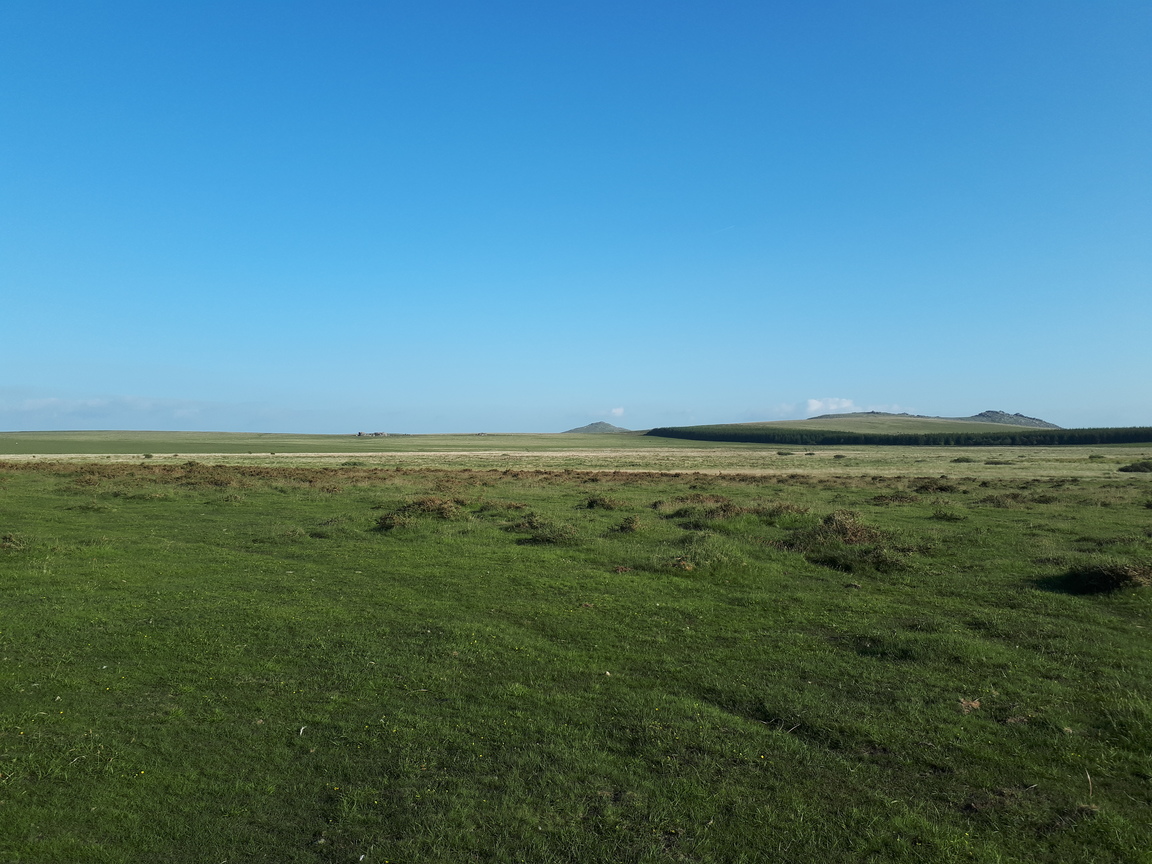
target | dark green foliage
[
  {"x": 630, "y": 525},
  {"x": 1100, "y": 577},
  {"x": 948, "y": 515},
  {"x": 1009, "y": 438},
  {"x": 1144, "y": 466},
  {"x": 602, "y": 502}
]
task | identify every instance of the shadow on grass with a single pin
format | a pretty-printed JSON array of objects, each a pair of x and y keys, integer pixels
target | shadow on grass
[{"x": 1098, "y": 578}]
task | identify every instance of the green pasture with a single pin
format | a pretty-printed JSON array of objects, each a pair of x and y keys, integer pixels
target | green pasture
[
  {"x": 381, "y": 659},
  {"x": 194, "y": 443}
]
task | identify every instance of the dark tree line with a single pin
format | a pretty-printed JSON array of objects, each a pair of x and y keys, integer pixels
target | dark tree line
[{"x": 1008, "y": 438}]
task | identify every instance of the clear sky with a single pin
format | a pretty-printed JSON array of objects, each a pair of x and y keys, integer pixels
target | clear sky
[{"x": 528, "y": 216}]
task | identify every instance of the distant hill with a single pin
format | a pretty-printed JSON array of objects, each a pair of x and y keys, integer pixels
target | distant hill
[
  {"x": 1010, "y": 420},
  {"x": 598, "y": 428},
  {"x": 885, "y": 421}
]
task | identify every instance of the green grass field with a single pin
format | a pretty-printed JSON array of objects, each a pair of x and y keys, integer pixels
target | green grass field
[
  {"x": 193, "y": 443},
  {"x": 473, "y": 656}
]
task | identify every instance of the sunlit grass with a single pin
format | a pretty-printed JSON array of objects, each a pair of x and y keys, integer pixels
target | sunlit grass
[{"x": 297, "y": 663}]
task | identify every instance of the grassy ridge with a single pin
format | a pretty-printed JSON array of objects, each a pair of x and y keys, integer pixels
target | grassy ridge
[
  {"x": 306, "y": 664},
  {"x": 880, "y": 423}
]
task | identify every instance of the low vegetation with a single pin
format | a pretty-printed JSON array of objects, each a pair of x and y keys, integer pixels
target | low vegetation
[
  {"x": 1009, "y": 436},
  {"x": 285, "y": 662}
]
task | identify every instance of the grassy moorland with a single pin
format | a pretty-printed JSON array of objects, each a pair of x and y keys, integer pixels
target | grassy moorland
[
  {"x": 399, "y": 658},
  {"x": 262, "y": 444},
  {"x": 626, "y": 452}
]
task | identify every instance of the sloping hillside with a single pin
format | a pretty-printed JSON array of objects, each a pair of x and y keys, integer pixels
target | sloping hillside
[
  {"x": 879, "y": 423},
  {"x": 598, "y": 428},
  {"x": 1010, "y": 420}
]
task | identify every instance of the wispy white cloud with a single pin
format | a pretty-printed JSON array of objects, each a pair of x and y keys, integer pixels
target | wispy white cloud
[
  {"x": 617, "y": 412},
  {"x": 57, "y": 408},
  {"x": 831, "y": 405},
  {"x": 21, "y": 410}
]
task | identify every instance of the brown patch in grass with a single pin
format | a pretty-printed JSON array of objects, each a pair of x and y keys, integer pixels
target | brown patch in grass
[
  {"x": 896, "y": 498},
  {"x": 15, "y": 542},
  {"x": 967, "y": 706}
]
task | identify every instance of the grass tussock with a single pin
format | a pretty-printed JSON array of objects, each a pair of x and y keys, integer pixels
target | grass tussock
[
  {"x": 603, "y": 502},
  {"x": 14, "y": 542},
  {"x": 544, "y": 532},
  {"x": 842, "y": 541},
  {"x": 630, "y": 525},
  {"x": 705, "y": 549},
  {"x": 942, "y": 514},
  {"x": 1104, "y": 577},
  {"x": 1144, "y": 466}
]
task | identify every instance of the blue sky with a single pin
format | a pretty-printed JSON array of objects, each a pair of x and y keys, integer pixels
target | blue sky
[{"x": 514, "y": 216}]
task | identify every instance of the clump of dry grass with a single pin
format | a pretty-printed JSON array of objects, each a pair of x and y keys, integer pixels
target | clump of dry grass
[
  {"x": 15, "y": 542},
  {"x": 603, "y": 502},
  {"x": 1144, "y": 466},
  {"x": 944, "y": 515},
  {"x": 928, "y": 484},
  {"x": 895, "y": 498},
  {"x": 842, "y": 542},
  {"x": 393, "y": 520},
  {"x": 845, "y": 526},
  {"x": 630, "y": 525},
  {"x": 432, "y": 506}
]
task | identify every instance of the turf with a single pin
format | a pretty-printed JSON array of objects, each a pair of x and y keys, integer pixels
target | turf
[
  {"x": 294, "y": 662},
  {"x": 194, "y": 443}
]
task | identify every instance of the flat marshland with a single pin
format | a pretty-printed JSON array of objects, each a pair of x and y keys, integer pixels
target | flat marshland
[{"x": 559, "y": 654}]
